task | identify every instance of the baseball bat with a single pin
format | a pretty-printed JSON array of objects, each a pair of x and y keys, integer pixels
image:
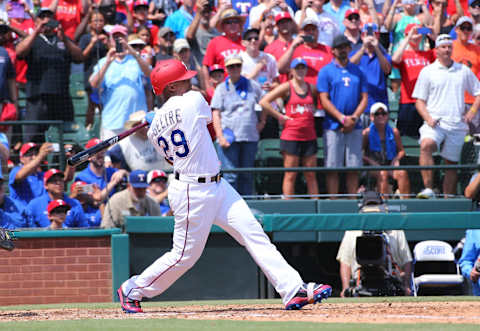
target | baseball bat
[{"x": 83, "y": 156}]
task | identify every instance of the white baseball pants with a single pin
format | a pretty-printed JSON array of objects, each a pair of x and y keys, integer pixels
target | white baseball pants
[{"x": 196, "y": 207}]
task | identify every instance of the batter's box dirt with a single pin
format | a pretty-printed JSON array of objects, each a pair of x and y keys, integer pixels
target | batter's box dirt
[{"x": 349, "y": 312}]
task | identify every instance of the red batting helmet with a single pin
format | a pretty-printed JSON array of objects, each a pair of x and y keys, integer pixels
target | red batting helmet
[{"x": 169, "y": 71}]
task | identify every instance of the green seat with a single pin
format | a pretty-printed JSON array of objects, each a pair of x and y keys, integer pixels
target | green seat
[
  {"x": 411, "y": 146},
  {"x": 268, "y": 155}
]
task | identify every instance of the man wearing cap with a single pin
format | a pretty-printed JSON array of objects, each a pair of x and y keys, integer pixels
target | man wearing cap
[
  {"x": 135, "y": 151},
  {"x": 410, "y": 60},
  {"x": 49, "y": 54},
  {"x": 157, "y": 190},
  {"x": 182, "y": 52},
  {"x": 305, "y": 46},
  {"x": 57, "y": 213},
  {"x": 140, "y": 17},
  {"x": 267, "y": 8},
  {"x": 328, "y": 26},
  {"x": 376, "y": 64},
  {"x": 164, "y": 46},
  {"x": 256, "y": 64},
  {"x": 119, "y": 76},
  {"x": 26, "y": 179},
  {"x": 10, "y": 210},
  {"x": 181, "y": 18},
  {"x": 352, "y": 29},
  {"x": 231, "y": 25},
  {"x": 96, "y": 173},
  {"x": 466, "y": 52},
  {"x": 440, "y": 101},
  {"x": 343, "y": 93},
  {"x": 133, "y": 201},
  {"x": 36, "y": 211}
]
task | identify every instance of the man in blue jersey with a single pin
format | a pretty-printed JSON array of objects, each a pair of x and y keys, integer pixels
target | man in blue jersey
[
  {"x": 343, "y": 93},
  {"x": 26, "y": 179},
  {"x": 85, "y": 194},
  {"x": 10, "y": 210},
  {"x": 36, "y": 211}
]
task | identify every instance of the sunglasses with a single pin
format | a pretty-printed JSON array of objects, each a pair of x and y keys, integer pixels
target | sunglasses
[
  {"x": 227, "y": 22},
  {"x": 468, "y": 28},
  {"x": 353, "y": 17},
  {"x": 380, "y": 113},
  {"x": 475, "y": 5},
  {"x": 253, "y": 39},
  {"x": 236, "y": 65}
]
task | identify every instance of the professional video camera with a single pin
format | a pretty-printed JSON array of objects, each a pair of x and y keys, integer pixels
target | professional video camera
[{"x": 376, "y": 276}]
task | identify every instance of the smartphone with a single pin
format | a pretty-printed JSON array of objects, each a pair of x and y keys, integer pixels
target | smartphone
[
  {"x": 424, "y": 30},
  {"x": 308, "y": 38},
  {"x": 87, "y": 188},
  {"x": 56, "y": 147},
  {"x": 17, "y": 10},
  {"x": 118, "y": 46},
  {"x": 369, "y": 31},
  {"x": 52, "y": 24}
]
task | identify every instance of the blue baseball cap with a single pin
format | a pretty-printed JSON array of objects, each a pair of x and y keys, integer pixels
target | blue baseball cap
[
  {"x": 372, "y": 26},
  {"x": 298, "y": 61},
  {"x": 138, "y": 179}
]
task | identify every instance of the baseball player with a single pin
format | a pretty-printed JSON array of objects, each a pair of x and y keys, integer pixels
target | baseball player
[{"x": 200, "y": 198}]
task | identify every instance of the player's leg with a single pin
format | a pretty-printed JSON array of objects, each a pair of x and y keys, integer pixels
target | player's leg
[{"x": 194, "y": 206}]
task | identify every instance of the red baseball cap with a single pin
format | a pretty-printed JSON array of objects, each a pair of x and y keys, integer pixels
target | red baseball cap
[
  {"x": 77, "y": 183},
  {"x": 26, "y": 147},
  {"x": 169, "y": 71},
  {"x": 215, "y": 67},
  {"x": 56, "y": 204},
  {"x": 154, "y": 174},
  {"x": 119, "y": 29},
  {"x": 351, "y": 11},
  {"x": 284, "y": 15},
  {"x": 92, "y": 142},
  {"x": 140, "y": 3},
  {"x": 48, "y": 174}
]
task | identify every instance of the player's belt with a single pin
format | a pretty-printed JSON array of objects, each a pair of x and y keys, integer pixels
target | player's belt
[{"x": 190, "y": 179}]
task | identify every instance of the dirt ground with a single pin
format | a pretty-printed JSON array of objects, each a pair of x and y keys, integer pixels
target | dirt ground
[{"x": 388, "y": 312}]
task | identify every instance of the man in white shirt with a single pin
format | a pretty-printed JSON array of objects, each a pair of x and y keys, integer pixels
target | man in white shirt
[
  {"x": 327, "y": 24},
  {"x": 440, "y": 101}
]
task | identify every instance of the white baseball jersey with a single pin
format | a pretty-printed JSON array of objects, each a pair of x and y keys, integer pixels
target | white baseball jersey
[{"x": 175, "y": 134}]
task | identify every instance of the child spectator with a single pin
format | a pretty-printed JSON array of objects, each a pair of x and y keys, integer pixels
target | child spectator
[
  {"x": 147, "y": 52},
  {"x": 26, "y": 179},
  {"x": 36, "y": 210},
  {"x": 85, "y": 194},
  {"x": 298, "y": 142},
  {"x": 382, "y": 145},
  {"x": 216, "y": 76},
  {"x": 157, "y": 189},
  {"x": 57, "y": 211}
]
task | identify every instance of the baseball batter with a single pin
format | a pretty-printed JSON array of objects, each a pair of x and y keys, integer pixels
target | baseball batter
[{"x": 199, "y": 198}]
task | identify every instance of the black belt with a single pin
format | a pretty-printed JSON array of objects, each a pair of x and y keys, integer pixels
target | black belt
[{"x": 215, "y": 178}]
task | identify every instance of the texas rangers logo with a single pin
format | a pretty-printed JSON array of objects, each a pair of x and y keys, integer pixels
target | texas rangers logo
[{"x": 346, "y": 81}]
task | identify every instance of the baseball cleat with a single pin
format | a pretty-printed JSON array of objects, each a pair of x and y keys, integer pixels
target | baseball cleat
[
  {"x": 309, "y": 293},
  {"x": 128, "y": 305}
]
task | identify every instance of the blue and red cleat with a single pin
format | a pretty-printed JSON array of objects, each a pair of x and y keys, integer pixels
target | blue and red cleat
[
  {"x": 309, "y": 293},
  {"x": 128, "y": 305}
]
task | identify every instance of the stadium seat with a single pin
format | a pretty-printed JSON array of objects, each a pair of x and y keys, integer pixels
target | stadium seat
[
  {"x": 434, "y": 269},
  {"x": 268, "y": 155}
]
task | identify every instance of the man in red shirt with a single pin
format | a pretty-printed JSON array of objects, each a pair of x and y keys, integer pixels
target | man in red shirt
[
  {"x": 68, "y": 12},
  {"x": 305, "y": 46},
  {"x": 285, "y": 27},
  {"x": 410, "y": 60},
  {"x": 231, "y": 24}
]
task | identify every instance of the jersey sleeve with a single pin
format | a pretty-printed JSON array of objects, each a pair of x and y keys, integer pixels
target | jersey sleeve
[
  {"x": 322, "y": 80},
  {"x": 203, "y": 109}
]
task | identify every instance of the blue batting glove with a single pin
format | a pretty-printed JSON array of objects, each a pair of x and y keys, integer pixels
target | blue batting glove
[{"x": 149, "y": 117}]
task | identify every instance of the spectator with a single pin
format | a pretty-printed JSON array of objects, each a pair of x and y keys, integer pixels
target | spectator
[
  {"x": 49, "y": 54},
  {"x": 470, "y": 260},
  {"x": 442, "y": 22},
  {"x": 474, "y": 10},
  {"x": 4, "y": 150},
  {"x": 338, "y": 9},
  {"x": 181, "y": 18},
  {"x": 398, "y": 251},
  {"x": 36, "y": 210},
  {"x": 87, "y": 195},
  {"x": 267, "y": 32},
  {"x": 267, "y": 8},
  {"x": 147, "y": 52},
  {"x": 10, "y": 210},
  {"x": 26, "y": 179},
  {"x": 135, "y": 152},
  {"x": 140, "y": 19},
  {"x": 119, "y": 76},
  {"x": 298, "y": 142},
  {"x": 133, "y": 201},
  {"x": 352, "y": 29},
  {"x": 157, "y": 190},
  {"x": 182, "y": 52},
  {"x": 230, "y": 24},
  {"x": 476, "y": 34},
  {"x": 327, "y": 24},
  {"x": 94, "y": 46},
  {"x": 368, "y": 12},
  {"x": 199, "y": 33},
  {"x": 57, "y": 213},
  {"x": 285, "y": 29},
  {"x": 465, "y": 52},
  {"x": 382, "y": 145},
  {"x": 68, "y": 13},
  {"x": 216, "y": 76},
  {"x": 8, "y": 88},
  {"x": 109, "y": 10},
  {"x": 440, "y": 101},
  {"x": 305, "y": 46},
  {"x": 236, "y": 124},
  {"x": 343, "y": 93},
  {"x": 164, "y": 47},
  {"x": 159, "y": 10},
  {"x": 256, "y": 64},
  {"x": 376, "y": 65},
  {"x": 410, "y": 60},
  {"x": 102, "y": 177}
]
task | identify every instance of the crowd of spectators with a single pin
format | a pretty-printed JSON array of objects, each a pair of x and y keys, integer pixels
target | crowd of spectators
[{"x": 298, "y": 70}]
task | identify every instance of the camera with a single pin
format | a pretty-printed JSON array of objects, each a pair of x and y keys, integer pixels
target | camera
[
  {"x": 122, "y": 184},
  {"x": 118, "y": 46},
  {"x": 369, "y": 31},
  {"x": 52, "y": 24},
  {"x": 308, "y": 38}
]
